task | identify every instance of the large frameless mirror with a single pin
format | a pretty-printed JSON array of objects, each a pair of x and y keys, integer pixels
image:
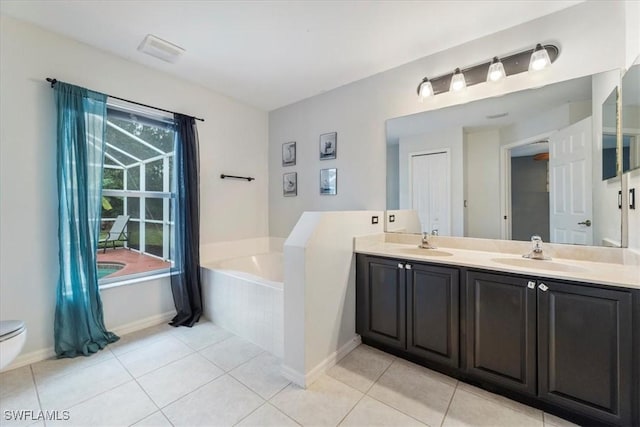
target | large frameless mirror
[{"x": 529, "y": 162}]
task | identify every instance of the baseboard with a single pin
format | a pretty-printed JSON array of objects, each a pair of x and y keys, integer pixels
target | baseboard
[
  {"x": 48, "y": 353},
  {"x": 143, "y": 323},
  {"x": 305, "y": 380}
]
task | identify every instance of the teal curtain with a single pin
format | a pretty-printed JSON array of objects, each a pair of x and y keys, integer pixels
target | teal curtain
[{"x": 79, "y": 326}]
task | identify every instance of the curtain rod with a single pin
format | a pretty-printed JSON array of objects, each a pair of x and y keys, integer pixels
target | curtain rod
[{"x": 54, "y": 81}]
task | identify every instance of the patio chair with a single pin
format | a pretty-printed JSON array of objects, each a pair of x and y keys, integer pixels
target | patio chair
[{"x": 117, "y": 233}]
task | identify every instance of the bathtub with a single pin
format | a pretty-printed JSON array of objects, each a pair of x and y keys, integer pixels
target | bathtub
[{"x": 244, "y": 295}]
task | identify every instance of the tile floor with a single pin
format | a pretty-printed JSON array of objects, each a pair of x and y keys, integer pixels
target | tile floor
[{"x": 206, "y": 376}]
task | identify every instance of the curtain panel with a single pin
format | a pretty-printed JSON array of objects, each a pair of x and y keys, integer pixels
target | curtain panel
[
  {"x": 185, "y": 278},
  {"x": 81, "y": 120}
]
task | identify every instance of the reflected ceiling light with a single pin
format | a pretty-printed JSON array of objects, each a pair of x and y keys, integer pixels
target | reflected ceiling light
[
  {"x": 539, "y": 59},
  {"x": 457, "y": 81},
  {"x": 425, "y": 89},
  {"x": 491, "y": 71},
  {"x": 496, "y": 71}
]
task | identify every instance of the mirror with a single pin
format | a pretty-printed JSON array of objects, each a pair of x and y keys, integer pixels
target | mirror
[
  {"x": 609, "y": 136},
  {"x": 508, "y": 167},
  {"x": 631, "y": 119}
]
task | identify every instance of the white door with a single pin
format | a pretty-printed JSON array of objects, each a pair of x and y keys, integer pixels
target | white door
[
  {"x": 570, "y": 184},
  {"x": 430, "y": 191}
]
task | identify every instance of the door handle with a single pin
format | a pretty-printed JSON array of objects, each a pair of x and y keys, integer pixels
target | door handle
[
  {"x": 408, "y": 266},
  {"x": 543, "y": 287},
  {"x": 400, "y": 266},
  {"x": 531, "y": 284},
  {"x": 586, "y": 222}
]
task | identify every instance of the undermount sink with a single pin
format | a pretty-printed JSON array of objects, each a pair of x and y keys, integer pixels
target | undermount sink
[
  {"x": 426, "y": 252},
  {"x": 538, "y": 264}
]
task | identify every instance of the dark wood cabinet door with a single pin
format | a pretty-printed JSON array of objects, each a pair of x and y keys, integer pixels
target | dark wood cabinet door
[
  {"x": 585, "y": 349},
  {"x": 433, "y": 313},
  {"x": 381, "y": 300},
  {"x": 501, "y": 330}
]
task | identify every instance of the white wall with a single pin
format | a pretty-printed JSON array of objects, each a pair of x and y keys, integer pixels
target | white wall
[
  {"x": 482, "y": 172},
  {"x": 319, "y": 291},
  {"x": 233, "y": 139},
  {"x": 358, "y": 111},
  {"x": 607, "y": 221},
  {"x": 450, "y": 139}
]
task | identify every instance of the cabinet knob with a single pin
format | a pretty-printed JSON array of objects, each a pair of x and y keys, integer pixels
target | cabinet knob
[
  {"x": 543, "y": 287},
  {"x": 531, "y": 284},
  {"x": 408, "y": 266},
  {"x": 400, "y": 265}
]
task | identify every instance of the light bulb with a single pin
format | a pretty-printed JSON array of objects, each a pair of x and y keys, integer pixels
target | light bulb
[
  {"x": 425, "y": 89},
  {"x": 457, "y": 81},
  {"x": 539, "y": 59},
  {"x": 496, "y": 71}
]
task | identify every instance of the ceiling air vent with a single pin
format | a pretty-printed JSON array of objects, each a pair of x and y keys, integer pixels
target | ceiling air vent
[{"x": 160, "y": 49}]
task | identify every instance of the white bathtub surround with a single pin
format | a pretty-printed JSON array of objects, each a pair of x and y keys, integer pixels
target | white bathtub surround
[
  {"x": 242, "y": 289},
  {"x": 319, "y": 291}
]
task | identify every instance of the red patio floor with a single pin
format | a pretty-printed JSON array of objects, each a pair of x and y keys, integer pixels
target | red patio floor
[{"x": 135, "y": 262}]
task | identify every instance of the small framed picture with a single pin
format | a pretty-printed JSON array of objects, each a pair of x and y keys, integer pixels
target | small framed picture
[
  {"x": 289, "y": 153},
  {"x": 328, "y": 145},
  {"x": 329, "y": 181},
  {"x": 290, "y": 184}
]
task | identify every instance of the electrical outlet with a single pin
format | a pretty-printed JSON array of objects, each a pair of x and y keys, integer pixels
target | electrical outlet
[
  {"x": 374, "y": 219},
  {"x": 392, "y": 218}
]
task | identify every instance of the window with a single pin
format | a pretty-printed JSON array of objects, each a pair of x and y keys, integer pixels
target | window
[{"x": 138, "y": 183}]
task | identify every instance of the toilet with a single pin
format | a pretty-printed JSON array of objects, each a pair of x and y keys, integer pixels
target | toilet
[{"x": 13, "y": 334}]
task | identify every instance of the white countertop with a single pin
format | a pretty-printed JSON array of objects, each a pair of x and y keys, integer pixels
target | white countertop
[{"x": 586, "y": 271}]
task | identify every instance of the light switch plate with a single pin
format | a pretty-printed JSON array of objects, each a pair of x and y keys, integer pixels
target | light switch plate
[{"x": 374, "y": 219}]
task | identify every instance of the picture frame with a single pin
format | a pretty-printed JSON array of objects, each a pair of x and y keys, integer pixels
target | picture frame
[
  {"x": 328, "y": 145},
  {"x": 289, "y": 154},
  {"x": 329, "y": 182},
  {"x": 290, "y": 184}
]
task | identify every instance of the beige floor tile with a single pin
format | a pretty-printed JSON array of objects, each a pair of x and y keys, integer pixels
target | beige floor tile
[
  {"x": 223, "y": 401},
  {"x": 17, "y": 392},
  {"x": 370, "y": 412},
  {"x": 552, "y": 420},
  {"x": 262, "y": 374},
  {"x": 140, "y": 339},
  {"x": 267, "y": 416},
  {"x": 156, "y": 419},
  {"x": 154, "y": 355},
  {"x": 231, "y": 352},
  {"x": 171, "y": 382},
  {"x": 516, "y": 406},
  {"x": 60, "y": 393},
  {"x": 120, "y": 406},
  {"x": 361, "y": 368},
  {"x": 324, "y": 403},
  {"x": 416, "y": 391},
  {"x": 201, "y": 335},
  {"x": 468, "y": 409},
  {"x": 56, "y": 367}
]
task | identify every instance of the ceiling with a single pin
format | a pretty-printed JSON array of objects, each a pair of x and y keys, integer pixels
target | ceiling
[{"x": 273, "y": 53}]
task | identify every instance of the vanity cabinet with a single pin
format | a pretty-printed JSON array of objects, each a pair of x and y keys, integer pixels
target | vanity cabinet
[
  {"x": 568, "y": 344},
  {"x": 409, "y": 306},
  {"x": 501, "y": 330}
]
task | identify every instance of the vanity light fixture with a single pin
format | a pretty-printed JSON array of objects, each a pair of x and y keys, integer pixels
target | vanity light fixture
[
  {"x": 496, "y": 71},
  {"x": 457, "y": 81},
  {"x": 542, "y": 56},
  {"x": 425, "y": 89},
  {"x": 539, "y": 59}
]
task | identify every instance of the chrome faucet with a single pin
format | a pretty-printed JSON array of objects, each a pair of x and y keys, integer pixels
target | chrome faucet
[
  {"x": 536, "y": 250},
  {"x": 425, "y": 242}
]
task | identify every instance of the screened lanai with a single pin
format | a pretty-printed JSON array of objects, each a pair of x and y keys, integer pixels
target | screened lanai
[{"x": 137, "y": 180}]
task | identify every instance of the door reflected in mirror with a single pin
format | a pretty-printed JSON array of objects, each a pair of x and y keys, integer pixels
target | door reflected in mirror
[{"x": 508, "y": 167}]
